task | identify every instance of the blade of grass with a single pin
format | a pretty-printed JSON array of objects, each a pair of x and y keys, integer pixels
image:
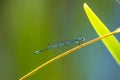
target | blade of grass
[
  {"x": 67, "y": 53},
  {"x": 110, "y": 42}
]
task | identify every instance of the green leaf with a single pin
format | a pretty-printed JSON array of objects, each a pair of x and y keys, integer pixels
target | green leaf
[{"x": 110, "y": 42}]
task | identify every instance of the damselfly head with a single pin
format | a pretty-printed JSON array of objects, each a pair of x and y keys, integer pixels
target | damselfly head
[
  {"x": 83, "y": 39},
  {"x": 79, "y": 40}
]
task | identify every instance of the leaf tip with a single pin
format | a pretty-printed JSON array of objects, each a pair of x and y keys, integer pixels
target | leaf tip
[
  {"x": 86, "y": 7},
  {"x": 118, "y": 29},
  {"x": 85, "y": 4}
]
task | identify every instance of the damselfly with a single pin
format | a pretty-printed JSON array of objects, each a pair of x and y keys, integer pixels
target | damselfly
[{"x": 73, "y": 41}]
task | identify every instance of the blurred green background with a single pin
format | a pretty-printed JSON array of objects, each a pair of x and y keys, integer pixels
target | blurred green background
[{"x": 29, "y": 25}]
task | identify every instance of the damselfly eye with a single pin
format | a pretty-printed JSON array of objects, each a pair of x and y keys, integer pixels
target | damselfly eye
[{"x": 83, "y": 39}]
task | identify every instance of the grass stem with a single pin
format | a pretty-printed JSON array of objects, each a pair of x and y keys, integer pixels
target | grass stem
[{"x": 68, "y": 52}]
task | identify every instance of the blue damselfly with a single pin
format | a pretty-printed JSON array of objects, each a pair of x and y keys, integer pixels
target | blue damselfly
[{"x": 73, "y": 41}]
